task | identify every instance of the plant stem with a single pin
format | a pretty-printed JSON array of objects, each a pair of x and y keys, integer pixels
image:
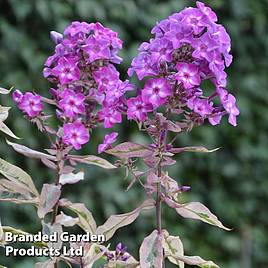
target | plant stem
[
  {"x": 56, "y": 207},
  {"x": 158, "y": 201},
  {"x": 158, "y": 205}
]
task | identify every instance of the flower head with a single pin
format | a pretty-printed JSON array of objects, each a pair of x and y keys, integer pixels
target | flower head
[
  {"x": 188, "y": 74},
  {"x": 75, "y": 134},
  {"x": 72, "y": 103},
  {"x": 29, "y": 103},
  {"x": 156, "y": 91},
  {"x": 138, "y": 109},
  {"x": 66, "y": 70},
  {"x": 187, "y": 48},
  {"x": 230, "y": 107},
  {"x": 110, "y": 116},
  {"x": 97, "y": 48},
  {"x": 87, "y": 86}
]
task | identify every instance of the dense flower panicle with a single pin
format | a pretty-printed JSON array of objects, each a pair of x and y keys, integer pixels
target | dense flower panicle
[
  {"x": 28, "y": 102},
  {"x": 109, "y": 139},
  {"x": 87, "y": 85},
  {"x": 120, "y": 253},
  {"x": 75, "y": 134},
  {"x": 187, "y": 48}
]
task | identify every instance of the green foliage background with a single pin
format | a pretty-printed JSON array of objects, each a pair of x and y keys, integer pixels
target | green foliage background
[{"x": 232, "y": 182}]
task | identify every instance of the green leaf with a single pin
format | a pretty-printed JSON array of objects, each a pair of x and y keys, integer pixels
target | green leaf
[
  {"x": 66, "y": 220},
  {"x": 199, "y": 149},
  {"x": 92, "y": 160},
  {"x": 93, "y": 254},
  {"x": 198, "y": 261},
  {"x": 48, "y": 199},
  {"x": 30, "y": 152},
  {"x": 4, "y": 128},
  {"x": 151, "y": 251},
  {"x": 115, "y": 222},
  {"x": 71, "y": 178},
  {"x": 18, "y": 187},
  {"x": 50, "y": 229},
  {"x": 4, "y": 113},
  {"x": 5, "y": 91},
  {"x": 173, "y": 248},
  {"x": 86, "y": 220},
  {"x": 198, "y": 211},
  {"x": 129, "y": 149}
]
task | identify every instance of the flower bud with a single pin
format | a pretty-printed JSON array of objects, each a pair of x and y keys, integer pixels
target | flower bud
[
  {"x": 120, "y": 248},
  {"x": 185, "y": 188},
  {"x": 17, "y": 96},
  {"x": 56, "y": 37}
]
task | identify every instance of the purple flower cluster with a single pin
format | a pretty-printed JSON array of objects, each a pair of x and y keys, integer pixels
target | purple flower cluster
[
  {"x": 187, "y": 48},
  {"x": 119, "y": 254},
  {"x": 28, "y": 102},
  {"x": 88, "y": 89}
]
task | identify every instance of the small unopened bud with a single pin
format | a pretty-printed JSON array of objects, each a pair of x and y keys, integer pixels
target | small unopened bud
[
  {"x": 17, "y": 96},
  {"x": 185, "y": 188},
  {"x": 120, "y": 248},
  {"x": 125, "y": 257},
  {"x": 56, "y": 37},
  {"x": 59, "y": 114}
]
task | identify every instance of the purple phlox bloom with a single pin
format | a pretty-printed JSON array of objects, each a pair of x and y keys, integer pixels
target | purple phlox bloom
[
  {"x": 188, "y": 74},
  {"x": 72, "y": 103},
  {"x": 110, "y": 116},
  {"x": 67, "y": 70},
  {"x": 187, "y": 48},
  {"x": 109, "y": 139},
  {"x": 142, "y": 66},
  {"x": 29, "y": 103},
  {"x": 200, "y": 106},
  {"x": 97, "y": 48},
  {"x": 161, "y": 49},
  {"x": 75, "y": 134},
  {"x": 215, "y": 119},
  {"x": 193, "y": 18},
  {"x": 106, "y": 77},
  {"x": 207, "y": 11},
  {"x": 138, "y": 109},
  {"x": 230, "y": 107},
  {"x": 155, "y": 91},
  {"x": 204, "y": 46},
  {"x": 77, "y": 27}
]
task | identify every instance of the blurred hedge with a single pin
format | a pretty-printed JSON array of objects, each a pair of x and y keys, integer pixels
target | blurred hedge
[{"x": 232, "y": 182}]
